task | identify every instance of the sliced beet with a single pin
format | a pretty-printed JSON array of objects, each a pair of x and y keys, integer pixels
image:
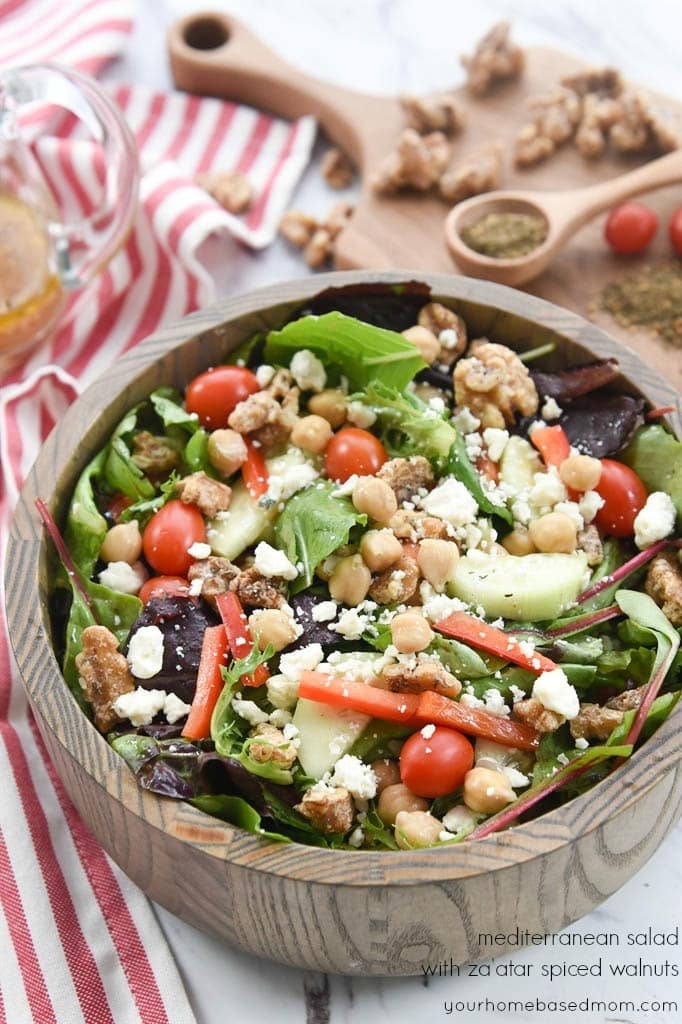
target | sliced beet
[
  {"x": 313, "y": 632},
  {"x": 602, "y": 424},
  {"x": 183, "y": 623},
  {"x": 576, "y": 381}
]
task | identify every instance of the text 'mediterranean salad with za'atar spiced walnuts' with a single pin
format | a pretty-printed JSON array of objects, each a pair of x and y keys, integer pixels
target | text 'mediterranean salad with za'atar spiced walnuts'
[{"x": 374, "y": 585}]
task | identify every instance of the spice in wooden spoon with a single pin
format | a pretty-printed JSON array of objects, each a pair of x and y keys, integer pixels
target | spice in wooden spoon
[{"x": 505, "y": 236}]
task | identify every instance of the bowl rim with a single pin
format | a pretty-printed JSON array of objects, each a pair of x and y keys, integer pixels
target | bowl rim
[{"x": 294, "y": 861}]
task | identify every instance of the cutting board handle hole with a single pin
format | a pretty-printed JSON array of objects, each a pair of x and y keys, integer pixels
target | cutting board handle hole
[{"x": 206, "y": 33}]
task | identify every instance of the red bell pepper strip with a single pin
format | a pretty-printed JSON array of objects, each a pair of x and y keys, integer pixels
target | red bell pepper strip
[
  {"x": 366, "y": 700},
  {"x": 477, "y": 633},
  {"x": 239, "y": 635},
  {"x": 415, "y": 709},
  {"x": 254, "y": 471},
  {"x": 552, "y": 444},
  {"x": 214, "y": 651}
]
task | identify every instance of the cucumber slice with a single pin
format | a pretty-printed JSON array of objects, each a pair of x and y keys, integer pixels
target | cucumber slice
[
  {"x": 244, "y": 523},
  {"x": 530, "y": 588},
  {"x": 519, "y": 464},
  {"x": 325, "y": 735}
]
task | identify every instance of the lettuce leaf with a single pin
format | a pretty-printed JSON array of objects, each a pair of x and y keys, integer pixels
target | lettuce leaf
[
  {"x": 461, "y": 467},
  {"x": 406, "y": 425},
  {"x": 312, "y": 525},
  {"x": 656, "y": 457},
  {"x": 363, "y": 353}
]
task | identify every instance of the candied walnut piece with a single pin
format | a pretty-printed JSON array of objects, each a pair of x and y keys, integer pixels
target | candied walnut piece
[
  {"x": 103, "y": 673},
  {"x": 439, "y": 112},
  {"x": 337, "y": 170},
  {"x": 216, "y": 575},
  {"x": 531, "y": 147},
  {"x": 628, "y": 700},
  {"x": 411, "y": 524},
  {"x": 425, "y": 675},
  {"x": 407, "y": 476},
  {"x": 594, "y": 722},
  {"x": 603, "y": 81},
  {"x": 664, "y": 585},
  {"x": 417, "y": 162},
  {"x": 154, "y": 455},
  {"x": 337, "y": 218},
  {"x": 589, "y": 541},
  {"x": 297, "y": 227},
  {"x": 536, "y": 714},
  {"x": 331, "y": 811},
  {"x": 257, "y": 591},
  {"x": 494, "y": 383},
  {"x": 555, "y": 116},
  {"x": 274, "y": 748},
  {"x": 268, "y": 416},
  {"x": 641, "y": 125},
  {"x": 319, "y": 249},
  {"x": 209, "y": 496},
  {"x": 397, "y": 584},
  {"x": 495, "y": 59},
  {"x": 477, "y": 173},
  {"x": 598, "y": 114},
  {"x": 448, "y": 327},
  {"x": 231, "y": 189}
]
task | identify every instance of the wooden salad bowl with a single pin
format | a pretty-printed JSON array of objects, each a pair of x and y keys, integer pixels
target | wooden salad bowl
[{"x": 349, "y": 912}]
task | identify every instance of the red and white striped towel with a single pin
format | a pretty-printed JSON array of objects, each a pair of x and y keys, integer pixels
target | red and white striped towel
[{"x": 78, "y": 941}]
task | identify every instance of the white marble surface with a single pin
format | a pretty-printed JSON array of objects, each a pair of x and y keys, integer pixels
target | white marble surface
[{"x": 387, "y": 46}]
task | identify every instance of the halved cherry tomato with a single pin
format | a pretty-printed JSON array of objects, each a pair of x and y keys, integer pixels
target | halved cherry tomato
[
  {"x": 214, "y": 394},
  {"x": 435, "y": 765},
  {"x": 624, "y": 496},
  {"x": 630, "y": 227},
  {"x": 118, "y": 504},
  {"x": 163, "y": 586},
  {"x": 353, "y": 450},
  {"x": 169, "y": 534},
  {"x": 675, "y": 231}
]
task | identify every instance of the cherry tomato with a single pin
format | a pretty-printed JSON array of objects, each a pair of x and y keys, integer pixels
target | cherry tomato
[
  {"x": 629, "y": 228},
  {"x": 214, "y": 394},
  {"x": 624, "y": 496},
  {"x": 118, "y": 504},
  {"x": 163, "y": 586},
  {"x": 435, "y": 766},
  {"x": 169, "y": 534},
  {"x": 675, "y": 231},
  {"x": 351, "y": 451}
]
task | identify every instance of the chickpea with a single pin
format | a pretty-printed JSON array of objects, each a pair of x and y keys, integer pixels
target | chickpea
[
  {"x": 331, "y": 405},
  {"x": 380, "y": 549},
  {"x": 416, "y": 829},
  {"x": 581, "y": 472},
  {"x": 312, "y": 433},
  {"x": 350, "y": 580},
  {"x": 487, "y": 790},
  {"x": 376, "y": 498},
  {"x": 425, "y": 341},
  {"x": 123, "y": 543},
  {"x": 387, "y": 773},
  {"x": 411, "y": 632},
  {"x": 437, "y": 560},
  {"x": 518, "y": 542},
  {"x": 226, "y": 451},
  {"x": 272, "y": 626},
  {"x": 396, "y": 798},
  {"x": 554, "y": 532}
]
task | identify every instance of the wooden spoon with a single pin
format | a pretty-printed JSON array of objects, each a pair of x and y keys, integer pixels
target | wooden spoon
[{"x": 563, "y": 212}]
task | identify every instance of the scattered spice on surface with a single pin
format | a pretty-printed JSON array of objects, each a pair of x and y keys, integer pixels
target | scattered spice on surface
[
  {"x": 505, "y": 236},
  {"x": 650, "y": 297}
]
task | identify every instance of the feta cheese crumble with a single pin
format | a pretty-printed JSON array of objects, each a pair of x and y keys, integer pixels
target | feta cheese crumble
[
  {"x": 589, "y": 505},
  {"x": 264, "y": 374},
  {"x": 282, "y": 692},
  {"x": 308, "y": 371},
  {"x": 145, "y": 652},
  {"x": 270, "y": 562},
  {"x": 555, "y": 693},
  {"x": 174, "y": 708},
  {"x": 325, "y": 611},
  {"x": 495, "y": 441},
  {"x": 452, "y": 502},
  {"x": 122, "y": 577},
  {"x": 459, "y": 817},
  {"x": 140, "y": 706},
  {"x": 551, "y": 410},
  {"x": 199, "y": 550},
  {"x": 428, "y": 731},
  {"x": 294, "y": 663},
  {"x": 358, "y": 778},
  {"x": 360, "y": 415},
  {"x": 249, "y": 711},
  {"x": 655, "y": 521}
]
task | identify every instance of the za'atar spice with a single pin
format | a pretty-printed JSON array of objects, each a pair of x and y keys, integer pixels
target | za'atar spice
[
  {"x": 505, "y": 236},
  {"x": 650, "y": 297}
]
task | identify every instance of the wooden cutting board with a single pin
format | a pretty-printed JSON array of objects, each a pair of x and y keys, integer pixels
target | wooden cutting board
[{"x": 214, "y": 54}]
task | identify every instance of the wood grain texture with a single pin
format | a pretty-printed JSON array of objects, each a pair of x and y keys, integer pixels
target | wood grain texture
[
  {"x": 408, "y": 230},
  {"x": 351, "y": 912}
]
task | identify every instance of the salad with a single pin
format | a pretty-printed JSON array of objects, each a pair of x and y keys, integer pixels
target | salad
[{"x": 374, "y": 584}]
